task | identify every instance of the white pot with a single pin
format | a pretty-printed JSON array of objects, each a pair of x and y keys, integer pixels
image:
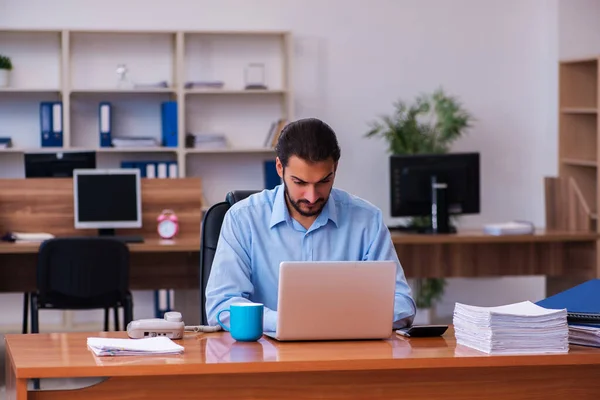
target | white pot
[{"x": 4, "y": 74}]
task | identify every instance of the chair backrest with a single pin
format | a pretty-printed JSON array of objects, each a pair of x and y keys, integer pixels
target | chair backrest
[
  {"x": 87, "y": 269},
  {"x": 209, "y": 238},
  {"x": 237, "y": 195}
]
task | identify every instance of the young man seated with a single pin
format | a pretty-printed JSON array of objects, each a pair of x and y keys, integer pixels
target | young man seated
[{"x": 303, "y": 219}]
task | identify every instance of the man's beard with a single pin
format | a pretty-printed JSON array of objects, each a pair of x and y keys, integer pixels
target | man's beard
[{"x": 297, "y": 204}]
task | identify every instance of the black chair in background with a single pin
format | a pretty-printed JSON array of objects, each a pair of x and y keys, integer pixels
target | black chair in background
[
  {"x": 209, "y": 237},
  {"x": 82, "y": 273}
]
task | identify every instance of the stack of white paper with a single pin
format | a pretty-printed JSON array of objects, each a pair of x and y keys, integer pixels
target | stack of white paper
[
  {"x": 584, "y": 335},
  {"x": 133, "y": 347},
  {"x": 520, "y": 328}
]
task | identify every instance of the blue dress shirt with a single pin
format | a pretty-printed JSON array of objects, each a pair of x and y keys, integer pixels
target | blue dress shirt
[{"x": 258, "y": 233}]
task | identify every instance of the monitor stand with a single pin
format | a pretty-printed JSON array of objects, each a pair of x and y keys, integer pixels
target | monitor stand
[
  {"x": 439, "y": 217},
  {"x": 110, "y": 233}
]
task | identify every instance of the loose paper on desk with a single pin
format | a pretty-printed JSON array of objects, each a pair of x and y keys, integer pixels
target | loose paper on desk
[
  {"x": 519, "y": 328},
  {"x": 133, "y": 347},
  {"x": 584, "y": 335}
]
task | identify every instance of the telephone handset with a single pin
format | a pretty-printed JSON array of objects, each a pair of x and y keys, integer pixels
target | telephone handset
[{"x": 171, "y": 326}]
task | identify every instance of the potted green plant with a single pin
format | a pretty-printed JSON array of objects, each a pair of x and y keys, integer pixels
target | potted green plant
[
  {"x": 430, "y": 125},
  {"x": 5, "y": 68}
]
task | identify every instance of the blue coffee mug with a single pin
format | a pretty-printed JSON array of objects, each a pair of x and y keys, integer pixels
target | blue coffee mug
[{"x": 245, "y": 320}]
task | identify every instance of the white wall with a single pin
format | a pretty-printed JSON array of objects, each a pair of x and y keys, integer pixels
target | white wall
[
  {"x": 579, "y": 28},
  {"x": 352, "y": 61}
]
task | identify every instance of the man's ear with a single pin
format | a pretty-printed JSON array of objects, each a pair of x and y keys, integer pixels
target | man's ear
[
  {"x": 279, "y": 167},
  {"x": 335, "y": 165}
]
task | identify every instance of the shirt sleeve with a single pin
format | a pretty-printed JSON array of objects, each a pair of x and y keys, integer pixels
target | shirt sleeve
[
  {"x": 382, "y": 249},
  {"x": 230, "y": 279}
]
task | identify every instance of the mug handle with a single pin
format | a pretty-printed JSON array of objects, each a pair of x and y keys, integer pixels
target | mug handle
[{"x": 219, "y": 319}]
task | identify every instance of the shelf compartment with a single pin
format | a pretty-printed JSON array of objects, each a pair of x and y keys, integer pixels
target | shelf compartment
[
  {"x": 28, "y": 51},
  {"x": 114, "y": 159},
  {"x": 20, "y": 116},
  {"x": 579, "y": 84},
  {"x": 246, "y": 172},
  {"x": 245, "y": 121},
  {"x": 149, "y": 58},
  {"x": 133, "y": 115},
  {"x": 224, "y": 57},
  {"x": 578, "y": 138}
]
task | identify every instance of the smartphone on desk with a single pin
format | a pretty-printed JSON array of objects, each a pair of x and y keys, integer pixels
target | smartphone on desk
[{"x": 423, "y": 330}]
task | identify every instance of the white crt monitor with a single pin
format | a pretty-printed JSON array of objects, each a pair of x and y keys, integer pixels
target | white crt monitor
[{"x": 106, "y": 199}]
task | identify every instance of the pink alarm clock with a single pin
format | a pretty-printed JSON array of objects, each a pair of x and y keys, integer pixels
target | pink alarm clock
[{"x": 168, "y": 225}]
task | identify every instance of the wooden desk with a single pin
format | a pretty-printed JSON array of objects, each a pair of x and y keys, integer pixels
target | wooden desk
[
  {"x": 215, "y": 366},
  {"x": 46, "y": 205},
  {"x": 566, "y": 258},
  {"x": 154, "y": 264}
]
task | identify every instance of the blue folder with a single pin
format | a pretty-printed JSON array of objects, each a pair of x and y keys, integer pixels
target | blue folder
[
  {"x": 169, "y": 123},
  {"x": 582, "y": 302}
]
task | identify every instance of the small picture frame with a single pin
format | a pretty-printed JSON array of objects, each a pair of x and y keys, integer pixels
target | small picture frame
[{"x": 255, "y": 77}]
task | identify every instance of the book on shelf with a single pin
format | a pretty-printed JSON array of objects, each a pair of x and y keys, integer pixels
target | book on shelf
[
  {"x": 153, "y": 85},
  {"x": 134, "y": 142},
  {"x": 206, "y": 140},
  {"x": 274, "y": 132},
  {"x": 204, "y": 85}
]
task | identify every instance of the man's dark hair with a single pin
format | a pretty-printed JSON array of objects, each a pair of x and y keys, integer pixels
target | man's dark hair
[{"x": 310, "y": 139}]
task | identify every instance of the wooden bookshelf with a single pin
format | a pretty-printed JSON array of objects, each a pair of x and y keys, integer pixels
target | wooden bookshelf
[
  {"x": 80, "y": 71},
  {"x": 572, "y": 198}
]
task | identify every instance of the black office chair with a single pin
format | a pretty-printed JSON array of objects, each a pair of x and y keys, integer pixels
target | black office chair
[
  {"x": 82, "y": 273},
  {"x": 209, "y": 237}
]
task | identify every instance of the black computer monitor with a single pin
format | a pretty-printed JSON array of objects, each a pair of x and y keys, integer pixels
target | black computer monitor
[
  {"x": 57, "y": 165},
  {"x": 107, "y": 199},
  {"x": 436, "y": 186}
]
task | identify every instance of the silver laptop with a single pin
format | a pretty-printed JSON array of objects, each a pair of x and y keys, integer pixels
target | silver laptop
[{"x": 335, "y": 300}]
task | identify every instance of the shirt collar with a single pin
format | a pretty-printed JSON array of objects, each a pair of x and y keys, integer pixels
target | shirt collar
[
  {"x": 281, "y": 213},
  {"x": 329, "y": 212}
]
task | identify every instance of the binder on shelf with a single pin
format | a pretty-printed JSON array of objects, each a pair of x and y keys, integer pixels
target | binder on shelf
[
  {"x": 271, "y": 176},
  {"x": 153, "y": 169},
  {"x": 135, "y": 164},
  {"x": 57, "y": 124},
  {"x": 150, "y": 170},
  {"x": 169, "y": 123},
  {"x": 582, "y": 302},
  {"x": 105, "y": 124},
  {"x": 51, "y": 126},
  {"x": 172, "y": 170},
  {"x": 161, "y": 170}
]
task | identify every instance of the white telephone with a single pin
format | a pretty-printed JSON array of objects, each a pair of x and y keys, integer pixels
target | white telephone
[{"x": 172, "y": 326}]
